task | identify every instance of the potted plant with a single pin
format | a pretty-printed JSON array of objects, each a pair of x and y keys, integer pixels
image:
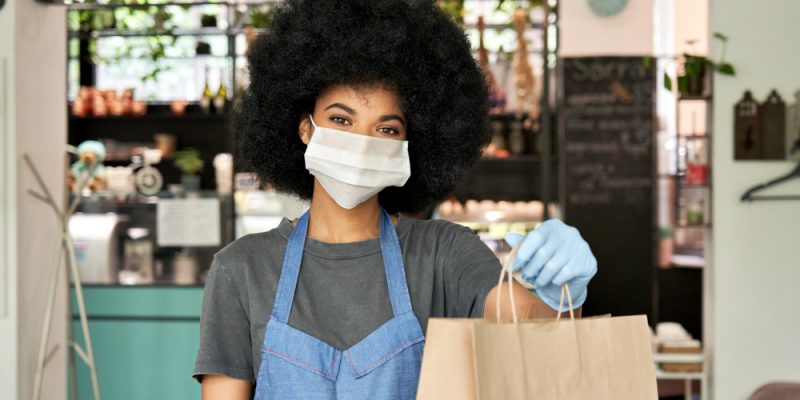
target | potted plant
[
  {"x": 189, "y": 162},
  {"x": 693, "y": 69}
]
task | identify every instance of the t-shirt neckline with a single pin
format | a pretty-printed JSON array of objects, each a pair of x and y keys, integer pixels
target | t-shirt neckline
[{"x": 343, "y": 251}]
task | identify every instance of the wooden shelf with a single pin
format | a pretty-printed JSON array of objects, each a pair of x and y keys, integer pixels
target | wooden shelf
[
  {"x": 689, "y": 226},
  {"x": 152, "y": 117},
  {"x": 704, "y": 97},
  {"x": 194, "y": 57},
  {"x": 687, "y": 261},
  {"x": 156, "y": 112},
  {"x": 508, "y": 116},
  {"x": 107, "y": 33},
  {"x": 144, "y": 33},
  {"x": 111, "y": 6},
  {"x": 526, "y": 158}
]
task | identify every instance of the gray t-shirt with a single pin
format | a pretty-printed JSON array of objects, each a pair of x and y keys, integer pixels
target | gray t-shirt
[{"x": 341, "y": 294}]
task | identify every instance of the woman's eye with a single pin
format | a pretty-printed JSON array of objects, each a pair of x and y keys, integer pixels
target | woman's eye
[
  {"x": 389, "y": 131},
  {"x": 340, "y": 120}
]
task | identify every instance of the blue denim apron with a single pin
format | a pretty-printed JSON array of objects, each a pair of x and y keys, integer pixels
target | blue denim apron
[{"x": 383, "y": 365}]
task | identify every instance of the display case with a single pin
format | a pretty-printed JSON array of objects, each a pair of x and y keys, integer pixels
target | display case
[{"x": 139, "y": 239}]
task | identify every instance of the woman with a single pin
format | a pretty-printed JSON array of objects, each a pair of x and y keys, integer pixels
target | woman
[{"x": 370, "y": 109}]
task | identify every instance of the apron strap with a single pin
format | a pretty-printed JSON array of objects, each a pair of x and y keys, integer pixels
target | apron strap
[
  {"x": 290, "y": 271},
  {"x": 393, "y": 265}
]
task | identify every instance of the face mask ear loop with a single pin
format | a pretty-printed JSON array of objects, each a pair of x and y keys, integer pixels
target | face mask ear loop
[{"x": 314, "y": 124}]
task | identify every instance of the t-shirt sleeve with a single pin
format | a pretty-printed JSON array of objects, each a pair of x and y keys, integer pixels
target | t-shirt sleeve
[
  {"x": 471, "y": 271},
  {"x": 225, "y": 347}
]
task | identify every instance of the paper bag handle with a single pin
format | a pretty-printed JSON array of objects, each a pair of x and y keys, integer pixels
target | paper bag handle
[
  {"x": 565, "y": 289},
  {"x": 507, "y": 269}
]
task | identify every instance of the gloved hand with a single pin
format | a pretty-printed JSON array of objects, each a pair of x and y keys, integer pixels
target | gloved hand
[{"x": 552, "y": 255}]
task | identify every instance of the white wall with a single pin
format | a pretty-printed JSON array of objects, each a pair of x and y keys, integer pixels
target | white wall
[
  {"x": 8, "y": 313},
  {"x": 33, "y": 38},
  {"x": 691, "y": 23},
  {"x": 756, "y": 247},
  {"x": 584, "y": 34}
]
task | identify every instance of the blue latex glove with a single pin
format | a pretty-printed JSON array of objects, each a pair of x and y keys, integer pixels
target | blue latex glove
[{"x": 552, "y": 255}]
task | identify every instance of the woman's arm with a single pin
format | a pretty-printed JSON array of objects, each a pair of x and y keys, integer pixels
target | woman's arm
[
  {"x": 222, "y": 387},
  {"x": 529, "y": 306}
]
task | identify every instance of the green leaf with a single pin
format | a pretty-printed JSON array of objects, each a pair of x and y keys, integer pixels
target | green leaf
[
  {"x": 726, "y": 68},
  {"x": 647, "y": 61},
  {"x": 667, "y": 82},
  {"x": 720, "y": 36},
  {"x": 682, "y": 85},
  {"x": 691, "y": 68}
]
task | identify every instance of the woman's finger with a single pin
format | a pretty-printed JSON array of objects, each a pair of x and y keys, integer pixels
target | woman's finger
[
  {"x": 531, "y": 270},
  {"x": 513, "y": 238},
  {"x": 530, "y": 245},
  {"x": 557, "y": 265}
]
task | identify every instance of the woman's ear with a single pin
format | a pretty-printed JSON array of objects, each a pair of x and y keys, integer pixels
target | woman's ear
[{"x": 305, "y": 129}]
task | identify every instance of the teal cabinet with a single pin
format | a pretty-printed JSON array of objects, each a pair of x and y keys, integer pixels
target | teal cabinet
[{"x": 145, "y": 341}]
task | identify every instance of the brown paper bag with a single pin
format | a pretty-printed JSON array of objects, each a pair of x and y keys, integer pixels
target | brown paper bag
[{"x": 602, "y": 358}]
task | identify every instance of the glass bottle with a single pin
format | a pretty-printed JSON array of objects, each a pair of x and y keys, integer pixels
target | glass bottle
[
  {"x": 516, "y": 139},
  {"x": 206, "y": 99},
  {"x": 222, "y": 95}
]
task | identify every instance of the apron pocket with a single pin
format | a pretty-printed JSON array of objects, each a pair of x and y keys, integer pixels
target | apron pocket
[
  {"x": 301, "y": 350},
  {"x": 384, "y": 343}
]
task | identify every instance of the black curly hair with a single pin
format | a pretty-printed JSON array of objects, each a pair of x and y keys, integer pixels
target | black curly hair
[{"x": 410, "y": 45}]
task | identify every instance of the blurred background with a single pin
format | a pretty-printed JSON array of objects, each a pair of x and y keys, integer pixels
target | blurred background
[{"x": 666, "y": 131}]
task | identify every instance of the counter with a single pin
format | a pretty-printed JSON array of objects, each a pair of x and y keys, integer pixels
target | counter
[{"x": 145, "y": 340}]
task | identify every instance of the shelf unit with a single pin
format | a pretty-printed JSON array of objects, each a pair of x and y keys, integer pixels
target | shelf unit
[
  {"x": 233, "y": 28},
  {"x": 698, "y": 191},
  {"x": 529, "y": 176},
  {"x": 679, "y": 285}
]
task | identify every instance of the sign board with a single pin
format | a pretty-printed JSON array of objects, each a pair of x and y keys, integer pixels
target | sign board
[
  {"x": 188, "y": 222},
  {"x": 606, "y": 126}
]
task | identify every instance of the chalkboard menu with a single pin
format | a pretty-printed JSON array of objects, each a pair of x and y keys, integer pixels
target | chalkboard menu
[{"x": 606, "y": 132}]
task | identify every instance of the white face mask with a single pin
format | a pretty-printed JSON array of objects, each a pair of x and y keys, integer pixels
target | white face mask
[{"x": 352, "y": 167}]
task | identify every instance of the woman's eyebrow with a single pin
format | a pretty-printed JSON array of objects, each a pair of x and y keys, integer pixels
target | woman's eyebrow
[
  {"x": 391, "y": 117},
  {"x": 343, "y": 107}
]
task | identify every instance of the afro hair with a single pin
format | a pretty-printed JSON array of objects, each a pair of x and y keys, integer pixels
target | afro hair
[{"x": 410, "y": 45}]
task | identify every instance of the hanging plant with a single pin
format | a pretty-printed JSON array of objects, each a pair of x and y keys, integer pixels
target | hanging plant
[
  {"x": 157, "y": 46},
  {"x": 693, "y": 68}
]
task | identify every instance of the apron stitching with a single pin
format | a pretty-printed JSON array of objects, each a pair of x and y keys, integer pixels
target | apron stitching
[
  {"x": 299, "y": 363},
  {"x": 387, "y": 355},
  {"x": 333, "y": 365},
  {"x": 352, "y": 365}
]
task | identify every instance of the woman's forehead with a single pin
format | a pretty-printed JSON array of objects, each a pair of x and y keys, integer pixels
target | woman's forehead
[{"x": 374, "y": 96}]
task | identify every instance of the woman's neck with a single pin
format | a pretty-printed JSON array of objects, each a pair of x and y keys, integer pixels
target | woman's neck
[{"x": 331, "y": 223}]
